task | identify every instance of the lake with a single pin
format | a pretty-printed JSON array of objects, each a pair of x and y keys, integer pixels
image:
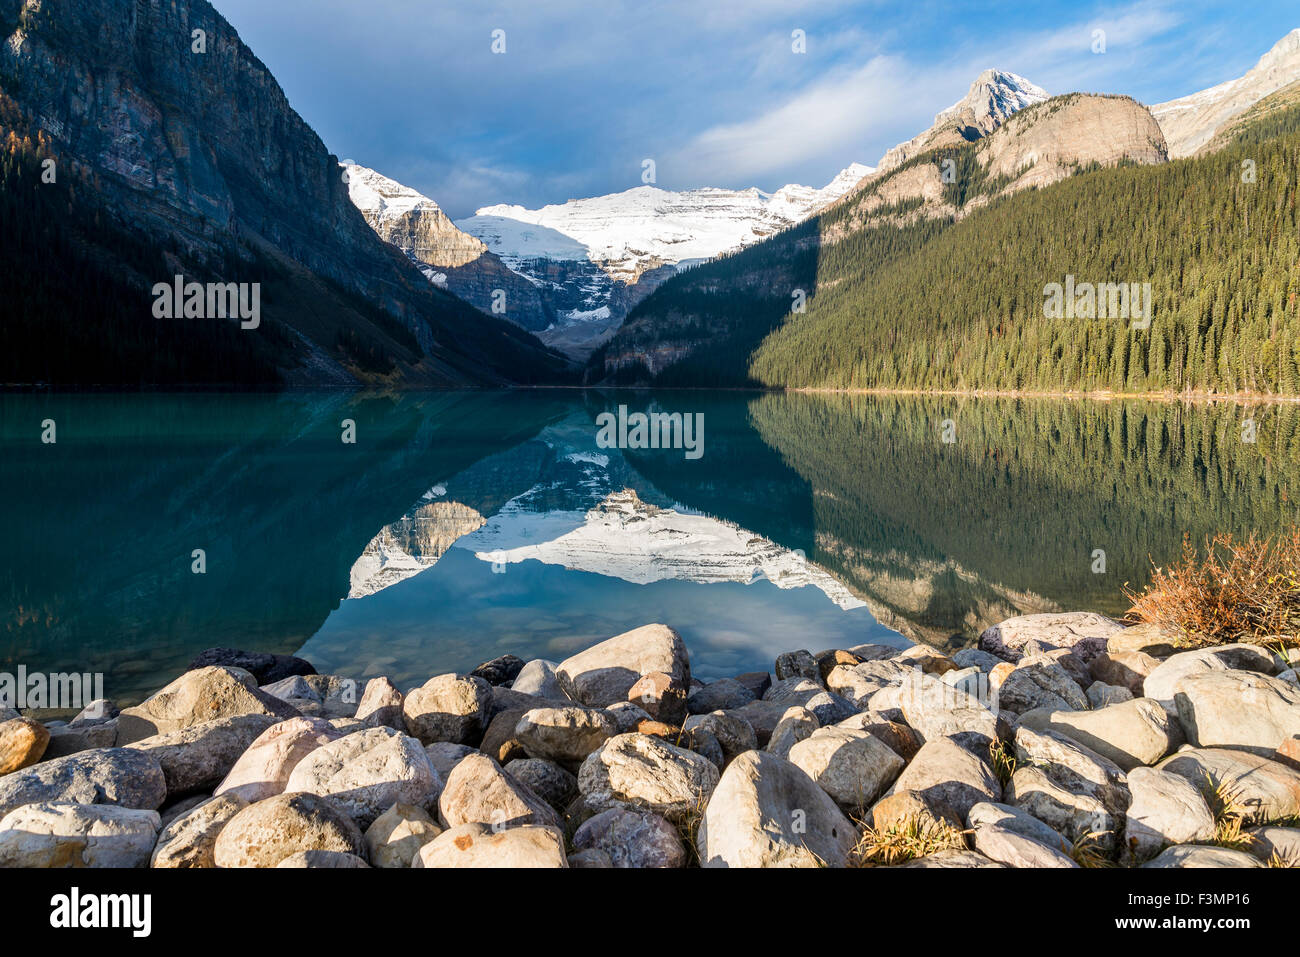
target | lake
[{"x": 460, "y": 526}]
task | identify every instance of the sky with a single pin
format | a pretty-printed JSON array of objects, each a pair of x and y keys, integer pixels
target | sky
[{"x": 712, "y": 91}]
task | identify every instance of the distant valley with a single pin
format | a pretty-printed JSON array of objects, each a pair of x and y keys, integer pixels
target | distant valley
[{"x": 584, "y": 263}]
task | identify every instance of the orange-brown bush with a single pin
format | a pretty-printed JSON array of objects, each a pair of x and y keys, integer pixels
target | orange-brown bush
[{"x": 1239, "y": 590}]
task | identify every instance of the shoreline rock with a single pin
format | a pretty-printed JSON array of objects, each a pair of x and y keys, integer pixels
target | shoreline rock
[{"x": 1060, "y": 739}]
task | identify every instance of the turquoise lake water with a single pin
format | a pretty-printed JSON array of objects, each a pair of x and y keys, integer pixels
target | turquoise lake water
[{"x": 461, "y": 526}]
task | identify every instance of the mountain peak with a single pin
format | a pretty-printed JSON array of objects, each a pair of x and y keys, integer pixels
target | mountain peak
[
  {"x": 374, "y": 193},
  {"x": 849, "y": 176},
  {"x": 1284, "y": 51},
  {"x": 409, "y": 220},
  {"x": 993, "y": 97}
]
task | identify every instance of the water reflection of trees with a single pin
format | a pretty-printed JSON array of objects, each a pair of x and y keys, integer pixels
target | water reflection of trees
[{"x": 1007, "y": 517}]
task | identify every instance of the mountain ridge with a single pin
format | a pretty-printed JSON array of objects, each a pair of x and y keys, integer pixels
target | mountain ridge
[
  {"x": 596, "y": 226},
  {"x": 1190, "y": 122},
  {"x": 168, "y": 134}
]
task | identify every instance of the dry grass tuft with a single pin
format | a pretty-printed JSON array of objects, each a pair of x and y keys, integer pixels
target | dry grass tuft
[
  {"x": 1239, "y": 590},
  {"x": 906, "y": 841},
  {"x": 688, "y": 829},
  {"x": 1229, "y": 817},
  {"x": 1003, "y": 759},
  {"x": 1087, "y": 851}
]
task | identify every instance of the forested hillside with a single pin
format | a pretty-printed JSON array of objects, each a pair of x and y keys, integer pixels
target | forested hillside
[
  {"x": 71, "y": 312},
  {"x": 899, "y": 302},
  {"x": 127, "y": 158},
  {"x": 703, "y": 327},
  {"x": 966, "y": 311}
]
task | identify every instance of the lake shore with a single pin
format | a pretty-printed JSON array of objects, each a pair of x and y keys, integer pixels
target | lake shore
[
  {"x": 1061, "y": 740},
  {"x": 1190, "y": 398}
]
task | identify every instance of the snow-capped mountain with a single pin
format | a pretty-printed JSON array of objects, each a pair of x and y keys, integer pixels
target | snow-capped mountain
[
  {"x": 594, "y": 259},
  {"x": 992, "y": 98},
  {"x": 572, "y": 271},
  {"x": 637, "y": 230},
  {"x": 1190, "y": 122}
]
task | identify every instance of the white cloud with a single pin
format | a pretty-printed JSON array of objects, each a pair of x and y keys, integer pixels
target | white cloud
[
  {"x": 854, "y": 115},
  {"x": 710, "y": 90},
  {"x": 831, "y": 116}
]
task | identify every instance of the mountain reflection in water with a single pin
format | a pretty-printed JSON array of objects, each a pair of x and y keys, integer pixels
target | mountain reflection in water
[{"x": 462, "y": 526}]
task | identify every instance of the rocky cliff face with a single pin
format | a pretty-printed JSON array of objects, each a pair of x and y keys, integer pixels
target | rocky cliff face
[
  {"x": 1190, "y": 122},
  {"x": 1271, "y": 107},
  {"x": 1037, "y": 146},
  {"x": 410, "y": 221},
  {"x": 1050, "y": 141},
  {"x": 447, "y": 256},
  {"x": 189, "y": 140},
  {"x": 203, "y": 145}
]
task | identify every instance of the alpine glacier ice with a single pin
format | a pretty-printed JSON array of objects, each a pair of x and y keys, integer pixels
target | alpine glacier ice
[{"x": 630, "y": 232}]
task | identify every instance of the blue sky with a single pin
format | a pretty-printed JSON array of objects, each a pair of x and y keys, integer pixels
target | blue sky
[{"x": 709, "y": 89}]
